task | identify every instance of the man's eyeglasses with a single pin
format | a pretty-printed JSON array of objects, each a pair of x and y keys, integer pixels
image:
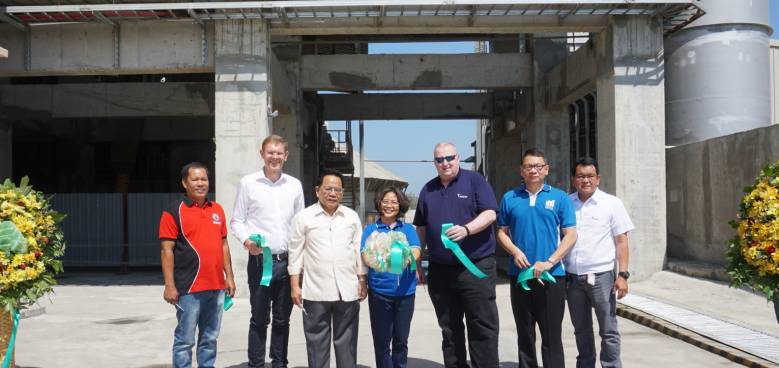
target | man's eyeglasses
[
  {"x": 333, "y": 189},
  {"x": 440, "y": 160},
  {"x": 538, "y": 167},
  {"x": 586, "y": 177}
]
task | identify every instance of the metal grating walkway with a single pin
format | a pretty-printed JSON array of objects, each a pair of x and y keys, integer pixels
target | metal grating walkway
[
  {"x": 754, "y": 342},
  {"x": 675, "y": 13}
]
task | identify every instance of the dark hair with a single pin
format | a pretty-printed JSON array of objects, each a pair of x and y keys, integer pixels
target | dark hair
[
  {"x": 324, "y": 173},
  {"x": 191, "y": 165},
  {"x": 403, "y": 201},
  {"x": 535, "y": 152},
  {"x": 585, "y": 161}
]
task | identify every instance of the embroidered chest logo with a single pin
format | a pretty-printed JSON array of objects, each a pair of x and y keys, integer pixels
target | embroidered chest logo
[
  {"x": 549, "y": 204},
  {"x": 462, "y": 196},
  {"x": 216, "y": 219}
]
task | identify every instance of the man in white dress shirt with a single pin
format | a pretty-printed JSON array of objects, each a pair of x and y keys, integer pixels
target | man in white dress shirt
[
  {"x": 325, "y": 251},
  {"x": 265, "y": 203},
  {"x": 603, "y": 224}
]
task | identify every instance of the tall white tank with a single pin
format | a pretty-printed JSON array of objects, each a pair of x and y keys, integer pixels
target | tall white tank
[{"x": 717, "y": 72}]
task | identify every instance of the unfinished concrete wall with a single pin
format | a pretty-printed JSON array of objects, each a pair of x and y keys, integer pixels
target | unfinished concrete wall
[
  {"x": 705, "y": 182},
  {"x": 286, "y": 103}
]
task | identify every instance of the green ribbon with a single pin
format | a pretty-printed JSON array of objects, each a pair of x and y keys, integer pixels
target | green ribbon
[
  {"x": 267, "y": 259},
  {"x": 396, "y": 258},
  {"x": 10, "y": 351},
  {"x": 458, "y": 252},
  {"x": 228, "y": 303},
  {"x": 527, "y": 275}
]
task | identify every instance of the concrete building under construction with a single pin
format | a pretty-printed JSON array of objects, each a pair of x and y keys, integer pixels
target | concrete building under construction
[{"x": 102, "y": 101}]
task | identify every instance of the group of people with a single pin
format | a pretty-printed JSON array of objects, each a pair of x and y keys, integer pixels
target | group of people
[{"x": 561, "y": 246}]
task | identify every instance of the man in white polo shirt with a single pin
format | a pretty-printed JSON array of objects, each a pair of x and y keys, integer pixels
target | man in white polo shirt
[
  {"x": 602, "y": 224},
  {"x": 265, "y": 203}
]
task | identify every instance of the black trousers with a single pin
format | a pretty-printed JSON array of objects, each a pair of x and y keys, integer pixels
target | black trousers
[
  {"x": 543, "y": 305},
  {"x": 264, "y": 299},
  {"x": 455, "y": 293}
]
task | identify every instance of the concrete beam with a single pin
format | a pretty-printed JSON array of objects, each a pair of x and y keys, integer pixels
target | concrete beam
[
  {"x": 407, "y": 72},
  {"x": 106, "y": 100},
  {"x": 381, "y": 106},
  {"x": 443, "y": 25},
  {"x": 572, "y": 79},
  {"x": 631, "y": 132},
  {"x": 132, "y": 47},
  {"x": 3, "y": 53}
]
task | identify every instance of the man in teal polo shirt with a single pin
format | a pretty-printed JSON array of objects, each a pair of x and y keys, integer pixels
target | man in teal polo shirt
[{"x": 531, "y": 220}]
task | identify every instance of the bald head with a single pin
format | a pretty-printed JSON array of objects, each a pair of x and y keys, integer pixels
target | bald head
[{"x": 446, "y": 161}]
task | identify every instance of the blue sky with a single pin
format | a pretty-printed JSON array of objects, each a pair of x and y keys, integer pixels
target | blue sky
[{"x": 414, "y": 139}]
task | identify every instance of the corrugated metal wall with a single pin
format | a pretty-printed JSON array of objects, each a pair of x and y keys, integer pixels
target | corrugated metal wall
[{"x": 94, "y": 227}]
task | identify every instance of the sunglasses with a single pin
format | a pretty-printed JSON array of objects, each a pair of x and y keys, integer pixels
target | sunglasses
[{"x": 440, "y": 160}]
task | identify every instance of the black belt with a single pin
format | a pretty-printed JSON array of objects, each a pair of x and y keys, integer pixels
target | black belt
[{"x": 277, "y": 257}]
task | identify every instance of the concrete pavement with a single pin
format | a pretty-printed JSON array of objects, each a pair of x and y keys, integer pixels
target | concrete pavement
[{"x": 107, "y": 320}]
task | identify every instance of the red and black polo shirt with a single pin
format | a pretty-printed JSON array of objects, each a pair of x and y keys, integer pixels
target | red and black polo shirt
[{"x": 198, "y": 256}]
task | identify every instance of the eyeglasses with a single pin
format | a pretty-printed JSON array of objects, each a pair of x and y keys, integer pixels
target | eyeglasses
[
  {"x": 538, "y": 167},
  {"x": 586, "y": 177},
  {"x": 440, "y": 160},
  {"x": 390, "y": 203},
  {"x": 333, "y": 190}
]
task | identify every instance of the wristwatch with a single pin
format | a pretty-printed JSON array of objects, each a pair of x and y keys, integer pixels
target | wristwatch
[{"x": 625, "y": 275}]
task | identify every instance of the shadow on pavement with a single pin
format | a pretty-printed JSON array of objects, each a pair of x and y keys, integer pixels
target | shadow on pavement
[{"x": 78, "y": 277}]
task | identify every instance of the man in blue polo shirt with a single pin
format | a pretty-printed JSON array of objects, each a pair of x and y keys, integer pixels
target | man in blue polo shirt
[
  {"x": 531, "y": 220},
  {"x": 464, "y": 199}
]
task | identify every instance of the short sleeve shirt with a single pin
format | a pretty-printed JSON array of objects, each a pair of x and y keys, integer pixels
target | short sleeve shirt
[
  {"x": 467, "y": 195},
  {"x": 387, "y": 283},
  {"x": 535, "y": 223},
  {"x": 198, "y": 257}
]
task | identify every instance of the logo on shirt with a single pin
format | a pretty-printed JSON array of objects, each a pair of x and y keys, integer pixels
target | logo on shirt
[
  {"x": 462, "y": 196},
  {"x": 549, "y": 204},
  {"x": 216, "y": 219}
]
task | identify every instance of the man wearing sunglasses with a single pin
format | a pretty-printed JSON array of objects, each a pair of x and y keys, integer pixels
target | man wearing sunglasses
[{"x": 464, "y": 199}]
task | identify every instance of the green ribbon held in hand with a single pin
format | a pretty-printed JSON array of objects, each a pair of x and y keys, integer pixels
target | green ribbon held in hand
[
  {"x": 267, "y": 259},
  {"x": 10, "y": 351},
  {"x": 458, "y": 252},
  {"x": 398, "y": 254},
  {"x": 527, "y": 275}
]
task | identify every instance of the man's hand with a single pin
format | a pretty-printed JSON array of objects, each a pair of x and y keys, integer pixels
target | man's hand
[
  {"x": 297, "y": 296},
  {"x": 621, "y": 287},
  {"x": 520, "y": 259},
  {"x": 540, "y": 267},
  {"x": 252, "y": 247},
  {"x": 171, "y": 295},
  {"x": 363, "y": 288},
  {"x": 230, "y": 283},
  {"x": 456, "y": 233}
]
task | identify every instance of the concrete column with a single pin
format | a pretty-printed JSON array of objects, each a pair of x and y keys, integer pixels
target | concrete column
[
  {"x": 6, "y": 150},
  {"x": 286, "y": 102},
  {"x": 241, "y": 114},
  {"x": 631, "y": 132}
]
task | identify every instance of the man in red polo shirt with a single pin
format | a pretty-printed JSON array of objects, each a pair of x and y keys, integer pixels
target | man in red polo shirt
[{"x": 196, "y": 267}]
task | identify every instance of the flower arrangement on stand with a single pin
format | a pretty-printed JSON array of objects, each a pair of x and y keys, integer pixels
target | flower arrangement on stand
[
  {"x": 753, "y": 254},
  {"x": 31, "y": 244}
]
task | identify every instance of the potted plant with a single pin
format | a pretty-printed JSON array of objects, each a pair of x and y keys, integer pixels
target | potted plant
[
  {"x": 752, "y": 255},
  {"x": 31, "y": 244}
]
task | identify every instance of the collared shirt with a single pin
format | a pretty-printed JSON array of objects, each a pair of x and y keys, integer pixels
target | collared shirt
[
  {"x": 388, "y": 283},
  {"x": 535, "y": 223},
  {"x": 327, "y": 249},
  {"x": 466, "y": 196},
  {"x": 266, "y": 207},
  {"x": 198, "y": 256},
  {"x": 599, "y": 219}
]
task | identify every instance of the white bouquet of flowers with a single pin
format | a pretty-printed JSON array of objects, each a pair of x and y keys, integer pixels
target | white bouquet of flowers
[{"x": 388, "y": 252}]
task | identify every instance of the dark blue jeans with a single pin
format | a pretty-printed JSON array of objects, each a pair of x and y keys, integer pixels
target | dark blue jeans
[
  {"x": 264, "y": 299},
  {"x": 390, "y": 324}
]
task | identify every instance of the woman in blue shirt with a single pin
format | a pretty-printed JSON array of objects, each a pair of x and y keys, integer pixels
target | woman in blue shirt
[{"x": 391, "y": 297}]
